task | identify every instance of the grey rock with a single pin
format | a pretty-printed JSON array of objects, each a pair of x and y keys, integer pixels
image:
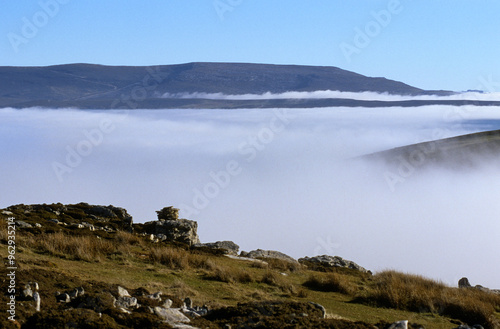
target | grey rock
[
  {"x": 464, "y": 283},
  {"x": 7, "y": 213},
  {"x": 181, "y": 230},
  {"x": 38, "y": 225},
  {"x": 53, "y": 220},
  {"x": 36, "y": 298},
  {"x": 27, "y": 292},
  {"x": 23, "y": 224},
  {"x": 171, "y": 315},
  {"x": 228, "y": 247},
  {"x": 63, "y": 298},
  {"x": 333, "y": 261},
  {"x": 320, "y": 307},
  {"x": 126, "y": 302},
  {"x": 271, "y": 254},
  {"x": 168, "y": 213},
  {"x": 168, "y": 303},
  {"x": 155, "y": 296},
  {"x": 122, "y": 292},
  {"x": 399, "y": 325},
  {"x": 246, "y": 259}
]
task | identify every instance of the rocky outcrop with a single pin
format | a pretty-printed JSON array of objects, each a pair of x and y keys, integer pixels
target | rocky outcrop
[
  {"x": 331, "y": 261},
  {"x": 173, "y": 229},
  {"x": 181, "y": 230},
  {"x": 225, "y": 247},
  {"x": 270, "y": 254},
  {"x": 72, "y": 216},
  {"x": 464, "y": 283}
]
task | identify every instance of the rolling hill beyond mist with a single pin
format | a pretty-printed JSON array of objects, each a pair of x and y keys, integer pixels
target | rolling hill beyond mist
[{"x": 90, "y": 86}]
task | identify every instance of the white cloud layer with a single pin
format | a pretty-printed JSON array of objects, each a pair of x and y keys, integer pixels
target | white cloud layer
[
  {"x": 271, "y": 179},
  {"x": 326, "y": 94}
]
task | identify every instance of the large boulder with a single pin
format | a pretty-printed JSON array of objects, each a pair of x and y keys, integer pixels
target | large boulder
[
  {"x": 226, "y": 247},
  {"x": 173, "y": 230},
  {"x": 464, "y": 283},
  {"x": 271, "y": 254},
  {"x": 168, "y": 213},
  {"x": 332, "y": 261}
]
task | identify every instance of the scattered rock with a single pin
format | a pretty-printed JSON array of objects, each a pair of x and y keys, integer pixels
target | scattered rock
[
  {"x": 23, "y": 224},
  {"x": 155, "y": 296},
  {"x": 332, "y": 261},
  {"x": 122, "y": 292},
  {"x": 399, "y": 325},
  {"x": 259, "y": 253},
  {"x": 7, "y": 213},
  {"x": 168, "y": 303},
  {"x": 464, "y": 283},
  {"x": 29, "y": 289},
  {"x": 126, "y": 302},
  {"x": 171, "y": 315},
  {"x": 36, "y": 298},
  {"x": 227, "y": 247},
  {"x": 63, "y": 298}
]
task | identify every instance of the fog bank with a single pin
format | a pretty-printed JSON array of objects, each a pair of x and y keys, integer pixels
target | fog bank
[{"x": 277, "y": 179}]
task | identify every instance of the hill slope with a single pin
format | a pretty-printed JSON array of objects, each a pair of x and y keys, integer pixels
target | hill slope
[{"x": 459, "y": 152}]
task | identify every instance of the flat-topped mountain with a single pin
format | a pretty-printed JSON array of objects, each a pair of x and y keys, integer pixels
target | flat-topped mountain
[{"x": 106, "y": 87}]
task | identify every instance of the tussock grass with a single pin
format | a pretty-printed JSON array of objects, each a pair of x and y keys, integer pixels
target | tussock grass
[
  {"x": 86, "y": 248},
  {"x": 231, "y": 275},
  {"x": 180, "y": 259},
  {"x": 331, "y": 282},
  {"x": 417, "y": 294}
]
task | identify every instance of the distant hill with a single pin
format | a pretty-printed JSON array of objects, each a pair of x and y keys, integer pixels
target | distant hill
[
  {"x": 105, "y": 87},
  {"x": 466, "y": 151}
]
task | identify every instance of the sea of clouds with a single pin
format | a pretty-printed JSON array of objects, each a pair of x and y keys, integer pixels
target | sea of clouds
[
  {"x": 329, "y": 94},
  {"x": 280, "y": 179}
]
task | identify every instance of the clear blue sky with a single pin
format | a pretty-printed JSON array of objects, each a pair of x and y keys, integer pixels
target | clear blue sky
[{"x": 448, "y": 44}]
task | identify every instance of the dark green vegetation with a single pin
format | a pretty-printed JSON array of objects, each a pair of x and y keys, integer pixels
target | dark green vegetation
[
  {"x": 89, "y": 86},
  {"x": 243, "y": 294}
]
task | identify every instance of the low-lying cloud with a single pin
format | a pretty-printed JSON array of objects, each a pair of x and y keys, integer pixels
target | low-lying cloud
[
  {"x": 334, "y": 94},
  {"x": 277, "y": 179}
]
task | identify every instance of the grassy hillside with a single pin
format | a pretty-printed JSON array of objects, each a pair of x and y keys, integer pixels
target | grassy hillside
[
  {"x": 238, "y": 293},
  {"x": 459, "y": 152}
]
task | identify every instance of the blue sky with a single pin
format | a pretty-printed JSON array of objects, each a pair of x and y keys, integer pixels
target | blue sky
[{"x": 429, "y": 44}]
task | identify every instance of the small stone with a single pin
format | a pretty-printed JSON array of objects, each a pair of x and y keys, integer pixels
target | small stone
[
  {"x": 122, "y": 292},
  {"x": 155, "y": 296},
  {"x": 399, "y": 325},
  {"x": 168, "y": 303},
  {"x": 188, "y": 302},
  {"x": 36, "y": 298},
  {"x": 63, "y": 298}
]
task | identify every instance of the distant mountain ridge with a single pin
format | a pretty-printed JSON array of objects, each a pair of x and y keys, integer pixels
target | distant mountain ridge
[{"x": 106, "y": 87}]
